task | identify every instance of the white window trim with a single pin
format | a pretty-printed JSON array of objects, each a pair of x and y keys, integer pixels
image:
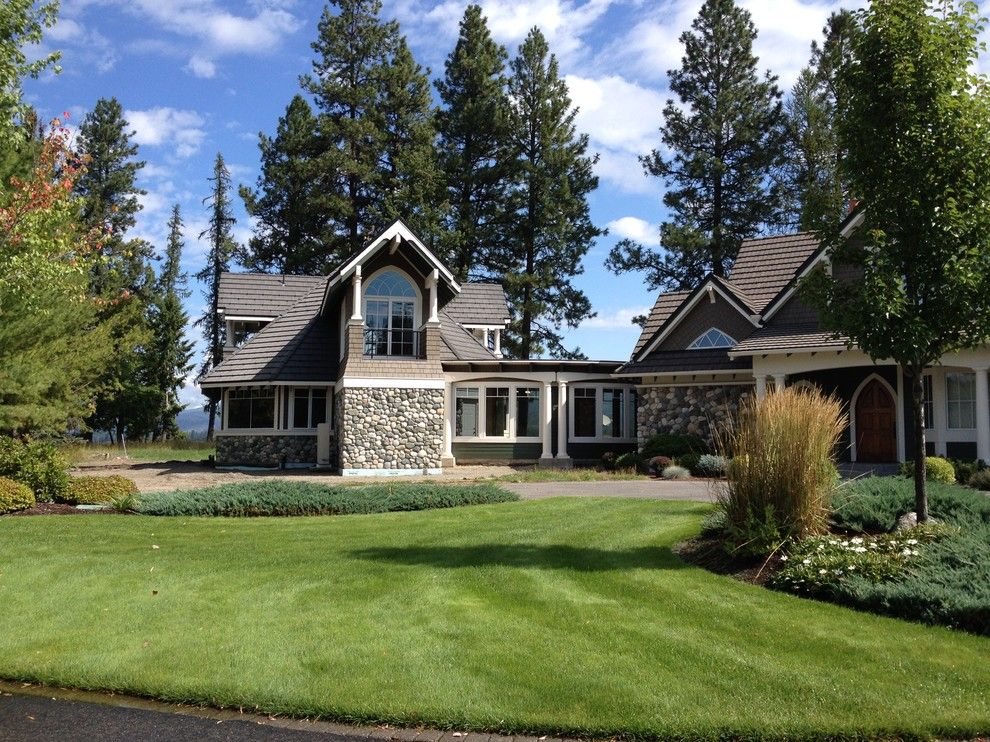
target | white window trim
[
  {"x": 628, "y": 414},
  {"x": 292, "y": 407},
  {"x": 694, "y": 343},
  {"x": 510, "y": 436},
  {"x": 225, "y": 407},
  {"x": 948, "y": 425},
  {"x": 417, "y": 299}
]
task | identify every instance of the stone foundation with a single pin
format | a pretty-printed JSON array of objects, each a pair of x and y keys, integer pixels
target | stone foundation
[
  {"x": 388, "y": 430},
  {"x": 691, "y": 410},
  {"x": 267, "y": 451}
]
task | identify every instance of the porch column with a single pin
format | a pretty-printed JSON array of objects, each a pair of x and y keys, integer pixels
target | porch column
[
  {"x": 356, "y": 313},
  {"x": 562, "y": 421},
  {"x": 982, "y": 415},
  {"x": 761, "y": 386},
  {"x": 547, "y": 416},
  {"x": 432, "y": 284},
  {"x": 498, "y": 343},
  {"x": 779, "y": 381}
]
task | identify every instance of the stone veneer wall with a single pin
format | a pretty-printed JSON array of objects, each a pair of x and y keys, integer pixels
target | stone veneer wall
[
  {"x": 389, "y": 428},
  {"x": 686, "y": 409},
  {"x": 265, "y": 450}
]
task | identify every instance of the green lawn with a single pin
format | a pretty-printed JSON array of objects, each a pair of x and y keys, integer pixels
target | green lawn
[
  {"x": 578, "y": 474},
  {"x": 145, "y": 452},
  {"x": 566, "y": 615}
]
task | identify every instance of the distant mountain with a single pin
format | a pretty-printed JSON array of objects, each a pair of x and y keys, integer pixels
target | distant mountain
[{"x": 194, "y": 421}]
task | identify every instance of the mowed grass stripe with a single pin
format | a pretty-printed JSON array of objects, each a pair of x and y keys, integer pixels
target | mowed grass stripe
[{"x": 566, "y": 615}]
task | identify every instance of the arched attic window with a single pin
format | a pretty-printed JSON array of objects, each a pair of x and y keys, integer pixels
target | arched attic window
[
  {"x": 390, "y": 310},
  {"x": 713, "y": 338}
]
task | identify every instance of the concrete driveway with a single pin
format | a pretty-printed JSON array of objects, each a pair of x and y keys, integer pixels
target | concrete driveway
[{"x": 697, "y": 490}]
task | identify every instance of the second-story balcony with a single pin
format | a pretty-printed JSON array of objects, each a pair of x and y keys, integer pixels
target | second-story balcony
[{"x": 395, "y": 343}]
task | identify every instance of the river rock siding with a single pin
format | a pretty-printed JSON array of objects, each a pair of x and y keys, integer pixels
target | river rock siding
[
  {"x": 693, "y": 410},
  {"x": 390, "y": 430},
  {"x": 268, "y": 451}
]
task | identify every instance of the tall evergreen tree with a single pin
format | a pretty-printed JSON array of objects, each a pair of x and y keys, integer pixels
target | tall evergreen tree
[
  {"x": 726, "y": 139},
  {"x": 551, "y": 230},
  {"x": 475, "y": 156},
  {"x": 109, "y": 194},
  {"x": 171, "y": 352},
  {"x": 291, "y": 230},
  {"x": 812, "y": 174},
  {"x": 222, "y": 248},
  {"x": 374, "y": 126}
]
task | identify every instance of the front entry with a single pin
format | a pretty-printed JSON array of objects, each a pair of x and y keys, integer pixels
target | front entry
[{"x": 876, "y": 425}]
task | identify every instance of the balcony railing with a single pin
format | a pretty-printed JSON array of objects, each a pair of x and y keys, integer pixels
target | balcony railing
[{"x": 394, "y": 343}]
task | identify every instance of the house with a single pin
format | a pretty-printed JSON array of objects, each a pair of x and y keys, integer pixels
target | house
[
  {"x": 389, "y": 365},
  {"x": 702, "y": 351}
]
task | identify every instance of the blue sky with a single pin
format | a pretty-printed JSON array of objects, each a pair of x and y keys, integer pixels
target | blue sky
[{"x": 201, "y": 76}]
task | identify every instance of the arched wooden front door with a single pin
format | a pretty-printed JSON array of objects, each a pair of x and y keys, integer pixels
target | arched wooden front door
[{"x": 876, "y": 424}]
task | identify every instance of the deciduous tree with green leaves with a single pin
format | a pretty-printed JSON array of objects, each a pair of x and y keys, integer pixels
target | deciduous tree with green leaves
[
  {"x": 474, "y": 150},
  {"x": 551, "y": 230},
  {"x": 22, "y": 23},
  {"x": 725, "y": 139},
  {"x": 914, "y": 122}
]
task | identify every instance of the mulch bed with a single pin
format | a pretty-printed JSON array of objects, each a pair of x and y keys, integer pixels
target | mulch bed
[
  {"x": 56, "y": 508},
  {"x": 709, "y": 553}
]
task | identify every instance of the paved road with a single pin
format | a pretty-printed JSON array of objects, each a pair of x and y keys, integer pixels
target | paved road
[
  {"x": 45, "y": 719},
  {"x": 691, "y": 489}
]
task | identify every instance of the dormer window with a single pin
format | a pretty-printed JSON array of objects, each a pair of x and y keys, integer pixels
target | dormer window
[
  {"x": 714, "y": 338},
  {"x": 390, "y": 304}
]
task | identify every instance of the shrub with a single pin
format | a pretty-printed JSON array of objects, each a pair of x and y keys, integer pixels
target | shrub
[
  {"x": 608, "y": 460},
  {"x": 658, "y": 464},
  {"x": 782, "y": 474},
  {"x": 980, "y": 480},
  {"x": 627, "y": 461},
  {"x": 279, "y": 497},
  {"x": 937, "y": 469},
  {"x": 676, "y": 472},
  {"x": 711, "y": 466},
  {"x": 672, "y": 445},
  {"x": 689, "y": 461},
  {"x": 124, "y": 503},
  {"x": 37, "y": 464},
  {"x": 14, "y": 496},
  {"x": 965, "y": 470},
  {"x": 98, "y": 490},
  {"x": 873, "y": 504},
  {"x": 713, "y": 524}
]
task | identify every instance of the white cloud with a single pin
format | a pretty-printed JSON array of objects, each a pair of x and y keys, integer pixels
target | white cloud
[
  {"x": 182, "y": 130},
  {"x": 202, "y": 67},
  {"x": 634, "y": 228},
  {"x": 618, "y": 319},
  {"x": 82, "y": 45}
]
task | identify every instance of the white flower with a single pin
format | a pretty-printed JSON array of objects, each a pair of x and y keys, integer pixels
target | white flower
[
  {"x": 856, "y": 540},
  {"x": 838, "y": 571},
  {"x": 912, "y": 541},
  {"x": 852, "y": 567},
  {"x": 906, "y": 552},
  {"x": 822, "y": 571},
  {"x": 860, "y": 549},
  {"x": 806, "y": 561},
  {"x": 783, "y": 558}
]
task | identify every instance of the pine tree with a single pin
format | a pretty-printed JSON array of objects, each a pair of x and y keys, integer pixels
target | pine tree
[
  {"x": 109, "y": 194},
  {"x": 726, "y": 138},
  {"x": 171, "y": 352},
  {"x": 373, "y": 126},
  {"x": 473, "y": 149},
  {"x": 291, "y": 231},
  {"x": 551, "y": 230},
  {"x": 815, "y": 188},
  {"x": 222, "y": 248}
]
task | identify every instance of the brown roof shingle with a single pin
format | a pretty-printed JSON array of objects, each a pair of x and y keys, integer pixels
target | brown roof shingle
[
  {"x": 479, "y": 304},
  {"x": 766, "y": 265},
  {"x": 789, "y": 337},
  {"x": 665, "y": 306},
  {"x": 262, "y": 294},
  {"x": 670, "y": 361}
]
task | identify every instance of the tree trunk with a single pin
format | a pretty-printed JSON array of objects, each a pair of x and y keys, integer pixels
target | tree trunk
[
  {"x": 211, "y": 410},
  {"x": 918, "y": 410}
]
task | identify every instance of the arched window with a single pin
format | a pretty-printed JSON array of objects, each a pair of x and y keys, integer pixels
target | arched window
[
  {"x": 390, "y": 316},
  {"x": 714, "y": 338}
]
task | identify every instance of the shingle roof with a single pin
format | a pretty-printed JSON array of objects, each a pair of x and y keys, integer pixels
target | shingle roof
[
  {"x": 297, "y": 346},
  {"x": 479, "y": 304},
  {"x": 262, "y": 294},
  {"x": 788, "y": 337},
  {"x": 459, "y": 344},
  {"x": 766, "y": 265},
  {"x": 669, "y": 361},
  {"x": 662, "y": 309}
]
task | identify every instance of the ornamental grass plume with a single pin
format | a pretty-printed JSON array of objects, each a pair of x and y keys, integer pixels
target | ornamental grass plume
[{"x": 782, "y": 472}]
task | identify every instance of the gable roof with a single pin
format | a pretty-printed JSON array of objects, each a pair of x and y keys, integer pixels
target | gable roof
[
  {"x": 765, "y": 266},
  {"x": 459, "y": 344},
  {"x": 296, "y": 346},
  {"x": 262, "y": 294},
  {"x": 479, "y": 304},
  {"x": 665, "y": 305}
]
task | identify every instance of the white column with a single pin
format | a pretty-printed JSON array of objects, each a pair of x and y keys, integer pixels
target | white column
[
  {"x": 356, "y": 313},
  {"x": 761, "y": 386},
  {"x": 562, "y": 420},
  {"x": 547, "y": 416},
  {"x": 498, "y": 343},
  {"x": 899, "y": 415},
  {"x": 448, "y": 421},
  {"x": 982, "y": 415},
  {"x": 434, "y": 279},
  {"x": 779, "y": 381}
]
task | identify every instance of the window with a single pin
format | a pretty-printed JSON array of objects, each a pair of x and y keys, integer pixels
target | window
[
  {"x": 309, "y": 407},
  {"x": 251, "y": 408},
  {"x": 527, "y": 412},
  {"x": 960, "y": 393},
  {"x": 714, "y": 338},
  {"x": 466, "y": 412},
  {"x": 241, "y": 331},
  {"x": 389, "y": 315},
  {"x": 929, "y": 404},
  {"x": 496, "y": 411},
  {"x": 612, "y": 415},
  {"x": 585, "y": 399}
]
